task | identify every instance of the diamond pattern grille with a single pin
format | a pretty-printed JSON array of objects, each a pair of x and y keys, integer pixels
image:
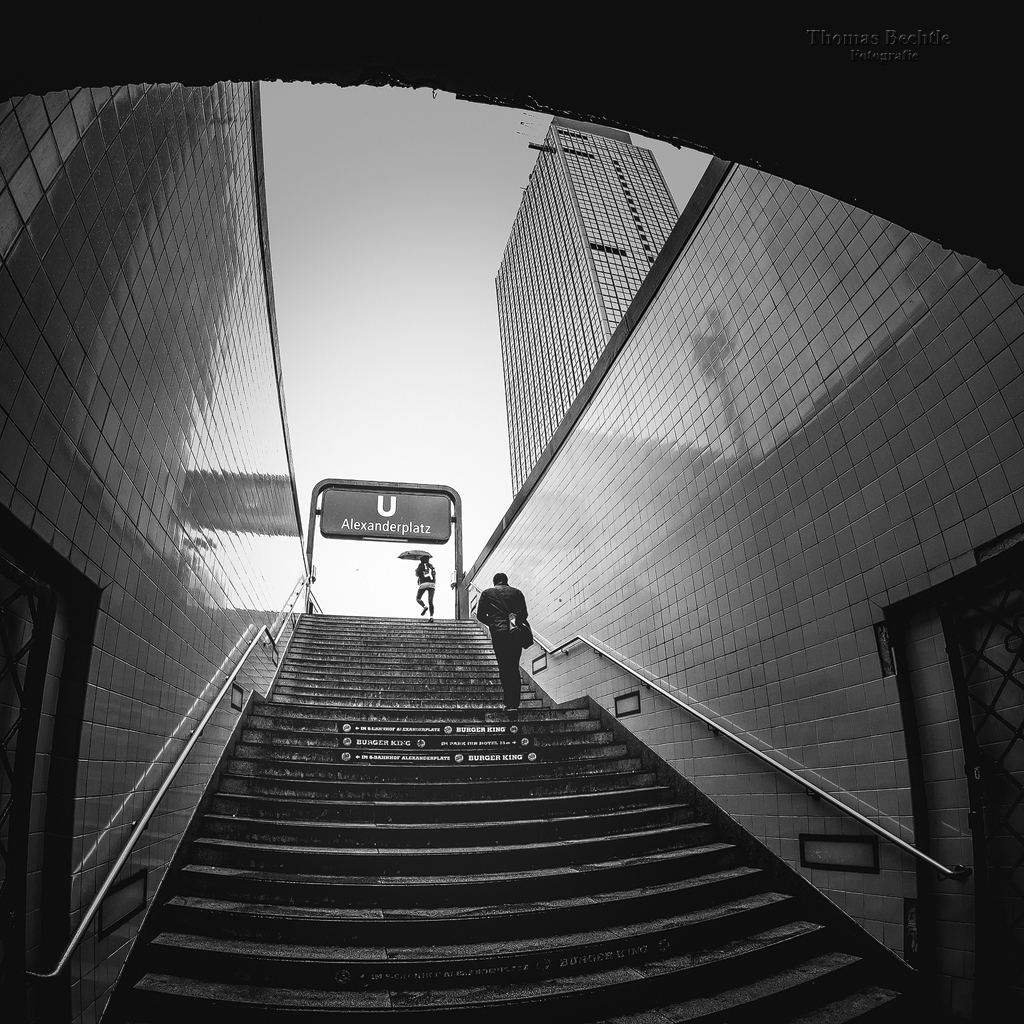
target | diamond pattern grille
[
  {"x": 26, "y": 620},
  {"x": 990, "y": 632}
]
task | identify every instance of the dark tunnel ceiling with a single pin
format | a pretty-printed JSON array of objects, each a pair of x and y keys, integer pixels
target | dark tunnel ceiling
[{"x": 930, "y": 144}]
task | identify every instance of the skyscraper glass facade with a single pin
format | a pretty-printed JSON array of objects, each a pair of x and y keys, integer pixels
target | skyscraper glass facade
[{"x": 592, "y": 221}]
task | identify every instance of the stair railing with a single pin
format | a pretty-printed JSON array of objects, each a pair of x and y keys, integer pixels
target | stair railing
[
  {"x": 960, "y": 873},
  {"x": 263, "y": 633}
]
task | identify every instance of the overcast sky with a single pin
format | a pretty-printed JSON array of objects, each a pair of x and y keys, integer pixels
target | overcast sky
[{"x": 389, "y": 211}]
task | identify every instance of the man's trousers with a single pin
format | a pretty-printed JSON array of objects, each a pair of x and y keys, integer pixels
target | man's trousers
[{"x": 508, "y": 650}]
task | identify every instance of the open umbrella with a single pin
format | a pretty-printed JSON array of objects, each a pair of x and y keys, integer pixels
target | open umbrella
[{"x": 415, "y": 555}]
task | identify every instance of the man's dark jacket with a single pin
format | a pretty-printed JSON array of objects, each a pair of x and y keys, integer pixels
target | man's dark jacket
[{"x": 494, "y": 605}]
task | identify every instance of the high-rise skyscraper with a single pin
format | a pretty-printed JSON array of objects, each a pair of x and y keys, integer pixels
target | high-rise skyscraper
[{"x": 592, "y": 221}]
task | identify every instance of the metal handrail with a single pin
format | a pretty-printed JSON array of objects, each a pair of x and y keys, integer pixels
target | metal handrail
[
  {"x": 143, "y": 822},
  {"x": 959, "y": 872}
]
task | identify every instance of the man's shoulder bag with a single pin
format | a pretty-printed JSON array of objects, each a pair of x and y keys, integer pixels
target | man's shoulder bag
[{"x": 520, "y": 629}]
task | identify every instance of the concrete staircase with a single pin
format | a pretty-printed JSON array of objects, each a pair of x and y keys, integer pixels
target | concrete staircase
[{"x": 385, "y": 841}]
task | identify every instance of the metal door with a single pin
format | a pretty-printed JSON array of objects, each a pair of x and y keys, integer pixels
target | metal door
[
  {"x": 26, "y": 628},
  {"x": 984, "y": 632}
]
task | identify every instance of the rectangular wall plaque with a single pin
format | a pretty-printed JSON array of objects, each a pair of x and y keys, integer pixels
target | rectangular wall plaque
[
  {"x": 627, "y": 704},
  {"x": 839, "y": 853},
  {"x": 125, "y": 899}
]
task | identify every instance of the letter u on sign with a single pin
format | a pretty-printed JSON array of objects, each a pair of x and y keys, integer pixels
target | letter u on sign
[{"x": 390, "y": 511}]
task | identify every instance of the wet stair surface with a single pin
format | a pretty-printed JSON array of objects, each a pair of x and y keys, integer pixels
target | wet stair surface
[{"x": 386, "y": 841}]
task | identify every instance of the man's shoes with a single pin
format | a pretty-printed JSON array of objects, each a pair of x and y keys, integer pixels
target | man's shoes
[
  {"x": 431, "y": 619},
  {"x": 424, "y": 612}
]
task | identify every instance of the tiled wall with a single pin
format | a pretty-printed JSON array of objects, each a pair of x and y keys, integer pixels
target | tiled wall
[
  {"x": 142, "y": 431},
  {"x": 819, "y": 414}
]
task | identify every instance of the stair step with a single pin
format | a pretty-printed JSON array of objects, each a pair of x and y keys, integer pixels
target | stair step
[
  {"x": 774, "y": 998},
  {"x": 405, "y": 766},
  {"x": 434, "y": 738},
  {"x": 430, "y": 833},
  {"x": 327, "y": 717},
  {"x": 317, "y": 965},
  {"x": 386, "y": 926},
  {"x": 262, "y": 723},
  {"x": 612, "y": 981},
  {"x": 415, "y": 788},
  {"x": 476, "y": 888},
  {"x": 385, "y": 860},
  {"x": 398, "y": 679},
  {"x": 872, "y": 1003},
  {"x": 422, "y": 682},
  {"x": 310, "y": 712},
  {"x": 387, "y": 703},
  {"x": 591, "y": 745},
  {"x": 498, "y": 809},
  {"x": 356, "y": 660}
]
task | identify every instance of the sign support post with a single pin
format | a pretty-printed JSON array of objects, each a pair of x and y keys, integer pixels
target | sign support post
[{"x": 385, "y": 510}]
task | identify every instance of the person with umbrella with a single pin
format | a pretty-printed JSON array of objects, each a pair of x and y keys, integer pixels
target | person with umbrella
[{"x": 426, "y": 577}]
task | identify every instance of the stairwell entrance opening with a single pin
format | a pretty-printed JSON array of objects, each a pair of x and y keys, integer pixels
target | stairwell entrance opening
[{"x": 384, "y": 510}]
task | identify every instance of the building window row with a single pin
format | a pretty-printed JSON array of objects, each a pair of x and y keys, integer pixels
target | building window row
[{"x": 608, "y": 248}]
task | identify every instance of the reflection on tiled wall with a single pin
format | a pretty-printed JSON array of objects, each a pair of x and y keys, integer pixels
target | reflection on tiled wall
[
  {"x": 819, "y": 414},
  {"x": 141, "y": 428}
]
